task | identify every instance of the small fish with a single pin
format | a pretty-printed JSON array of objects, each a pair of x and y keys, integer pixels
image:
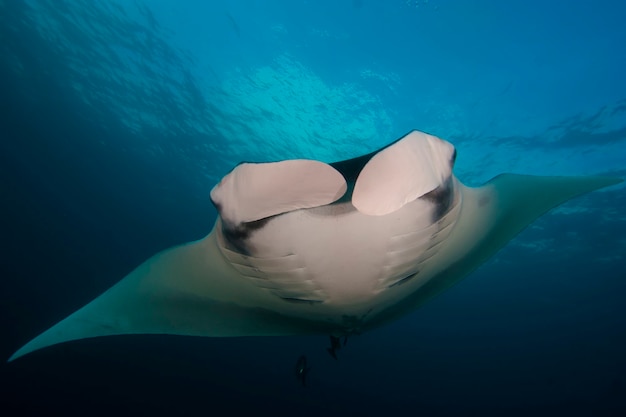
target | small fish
[{"x": 302, "y": 370}]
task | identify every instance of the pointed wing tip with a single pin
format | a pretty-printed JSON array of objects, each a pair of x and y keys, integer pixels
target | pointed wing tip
[
  {"x": 588, "y": 182},
  {"x": 73, "y": 327},
  {"x": 613, "y": 180},
  {"x": 598, "y": 182},
  {"x": 33, "y": 345},
  {"x": 24, "y": 350}
]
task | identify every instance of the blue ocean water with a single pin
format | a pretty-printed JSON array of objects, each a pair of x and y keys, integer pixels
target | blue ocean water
[{"x": 117, "y": 119}]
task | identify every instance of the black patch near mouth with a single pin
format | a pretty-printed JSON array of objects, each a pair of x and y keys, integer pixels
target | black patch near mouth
[{"x": 442, "y": 197}]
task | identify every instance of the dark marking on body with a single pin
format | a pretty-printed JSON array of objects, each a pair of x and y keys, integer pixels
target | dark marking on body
[
  {"x": 403, "y": 280},
  {"x": 442, "y": 197},
  {"x": 237, "y": 235},
  {"x": 453, "y": 158},
  {"x": 301, "y": 300}
]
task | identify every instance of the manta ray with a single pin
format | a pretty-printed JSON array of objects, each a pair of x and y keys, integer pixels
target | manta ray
[{"x": 305, "y": 247}]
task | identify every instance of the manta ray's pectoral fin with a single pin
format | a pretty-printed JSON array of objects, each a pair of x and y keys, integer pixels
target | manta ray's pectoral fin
[
  {"x": 515, "y": 201},
  {"x": 491, "y": 215},
  {"x": 495, "y": 213},
  {"x": 186, "y": 290}
]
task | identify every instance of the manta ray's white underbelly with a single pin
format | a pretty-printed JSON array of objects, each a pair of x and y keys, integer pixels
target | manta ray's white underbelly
[{"x": 335, "y": 260}]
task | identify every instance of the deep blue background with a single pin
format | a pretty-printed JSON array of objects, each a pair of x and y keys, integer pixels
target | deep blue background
[{"x": 117, "y": 121}]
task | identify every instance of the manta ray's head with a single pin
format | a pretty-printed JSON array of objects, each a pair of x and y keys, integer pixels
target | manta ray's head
[{"x": 376, "y": 184}]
